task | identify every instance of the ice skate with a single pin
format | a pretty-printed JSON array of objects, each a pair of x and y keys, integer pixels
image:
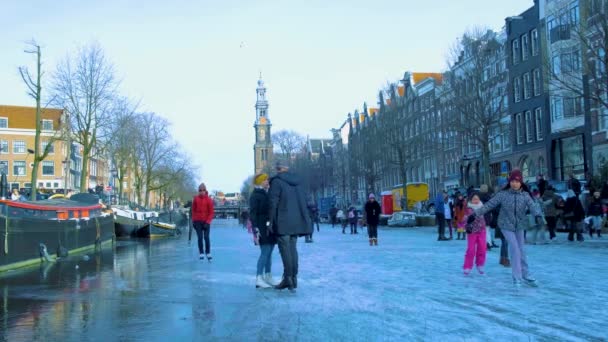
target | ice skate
[
  {"x": 209, "y": 257},
  {"x": 530, "y": 281},
  {"x": 268, "y": 279},
  {"x": 260, "y": 283}
]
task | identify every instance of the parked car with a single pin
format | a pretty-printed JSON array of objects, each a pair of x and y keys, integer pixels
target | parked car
[{"x": 402, "y": 219}]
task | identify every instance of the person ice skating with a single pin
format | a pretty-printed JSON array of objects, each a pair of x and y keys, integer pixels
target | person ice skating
[
  {"x": 333, "y": 215},
  {"x": 259, "y": 206},
  {"x": 372, "y": 217},
  {"x": 341, "y": 216},
  {"x": 574, "y": 214},
  {"x": 352, "y": 220},
  {"x": 288, "y": 219},
  {"x": 202, "y": 215},
  {"x": 550, "y": 204},
  {"x": 595, "y": 212},
  {"x": 459, "y": 213},
  {"x": 537, "y": 231},
  {"x": 476, "y": 238},
  {"x": 484, "y": 196},
  {"x": 441, "y": 215},
  {"x": 313, "y": 213},
  {"x": 514, "y": 201}
]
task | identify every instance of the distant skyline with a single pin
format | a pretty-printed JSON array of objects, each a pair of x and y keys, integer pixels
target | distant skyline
[{"x": 197, "y": 62}]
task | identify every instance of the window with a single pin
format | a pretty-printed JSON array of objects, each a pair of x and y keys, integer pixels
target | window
[
  {"x": 93, "y": 166},
  {"x": 3, "y": 122},
  {"x": 535, "y": 42},
  {"x": 14, "y": 186},
  {"x": 518, "y": 132},
  {"x": 19, "y": 168},
  {"x": 536, "y": 81},
  {"x": 525, "y": 45},
  {"x": 18, "y": 146},
  {"x": 515, "y": 51},
  {"x": 556, "y": 65},
  {"x": 48, "y": 168},
  {"x": 573, "y": 107},
  {"x": 51, "y": 147},
  {"x": 557, "y": 108},
  {"x": 4, "y": 167},
  {"x": 529, "y": 127},
  {"x": 600, "y": 63},
  {"x": 538, "y": 119},
  {"x": 47, "y": 125},
  {"x": 506, "y": 138},
  {"x": 527, "y": 90},
  {"x": 517, "y": 89},
  {"x": 574, "y": 13},
  {"x": 3, "y": 146}
]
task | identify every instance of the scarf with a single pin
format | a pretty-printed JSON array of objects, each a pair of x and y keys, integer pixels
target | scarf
[{"x": 475, "y": 206}]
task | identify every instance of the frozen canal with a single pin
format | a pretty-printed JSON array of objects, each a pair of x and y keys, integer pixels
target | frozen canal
[{"x": 408, "y": 288}]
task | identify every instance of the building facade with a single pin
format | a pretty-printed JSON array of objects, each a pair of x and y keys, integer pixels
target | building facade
[
  {"x": 528, "y": 100},
  {"x": 17, "y": 135}
]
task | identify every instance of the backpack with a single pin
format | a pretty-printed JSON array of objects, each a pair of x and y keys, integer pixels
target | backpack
[{"x": 351, "y": 214}]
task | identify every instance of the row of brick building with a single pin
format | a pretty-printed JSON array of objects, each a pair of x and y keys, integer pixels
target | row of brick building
[{"x": 536, "y": 83}]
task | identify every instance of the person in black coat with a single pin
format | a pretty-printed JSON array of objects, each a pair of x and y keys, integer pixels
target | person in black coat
[
  {"x": 289, "y": 219},
  {"x": 372, "y": 218},
  {"x": 574, "y": 214},
  {"x": 259, "y": 206},
  {"x": 595, "y": 211}
]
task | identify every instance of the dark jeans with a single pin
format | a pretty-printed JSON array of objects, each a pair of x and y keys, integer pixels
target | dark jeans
[
  {"x": 449, "y": 224},
  {"x": 440, "y": 218},
  {"x": 315, "y": 223},
  {"x": 575, "y": 228},
  {"x": 289, "y": 254},
  {"x": 333, "y": 221},
  {"x": 372, "y": 231},
  {"x": 202, "y": 232},
  {"x": 551, "y": 224},
  {"x": 265, "y": 260},
  {"x": 353, "y": 227}
]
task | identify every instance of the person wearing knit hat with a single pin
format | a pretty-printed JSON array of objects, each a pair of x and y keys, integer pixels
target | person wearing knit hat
[
  {"x": 514, "y": 202},
  {"x": 259, "y": 207},
  {"x": 372, "y": 219}
]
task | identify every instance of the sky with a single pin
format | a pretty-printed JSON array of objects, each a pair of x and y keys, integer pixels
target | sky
[{"x": 197, "y": 62}]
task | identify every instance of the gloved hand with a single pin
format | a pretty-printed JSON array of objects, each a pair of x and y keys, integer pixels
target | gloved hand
[
  {"x": 269, "y": 229},
  {"x": 471, "y": 218},
  {"x": 539, "y": 221}
]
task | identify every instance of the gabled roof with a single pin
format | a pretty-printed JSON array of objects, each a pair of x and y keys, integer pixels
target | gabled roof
[{"x": 420, "y": 76}]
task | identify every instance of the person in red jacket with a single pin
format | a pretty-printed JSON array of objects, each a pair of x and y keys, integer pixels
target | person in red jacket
[{"x": 202, "y": 215}]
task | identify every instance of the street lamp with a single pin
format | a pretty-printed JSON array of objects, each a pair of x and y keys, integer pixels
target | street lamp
[{"x": 114, "y": 174}]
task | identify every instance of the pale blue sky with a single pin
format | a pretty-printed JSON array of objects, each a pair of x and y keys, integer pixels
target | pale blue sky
[{"x": 183, "y": 60}]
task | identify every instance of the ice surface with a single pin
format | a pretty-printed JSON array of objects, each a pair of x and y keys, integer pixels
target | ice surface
[{"x": 410, "y": 287}]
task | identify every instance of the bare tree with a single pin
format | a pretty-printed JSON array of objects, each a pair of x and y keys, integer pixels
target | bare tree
[
  {"x": 34, "y": 86},
  {"x": 85, "y": 86},
  {"x": 123, "y": 144},
  {"x": 288, "y": 143},
  {"x": 155, "y": 145},
  {"x": 477, "y": 101}
]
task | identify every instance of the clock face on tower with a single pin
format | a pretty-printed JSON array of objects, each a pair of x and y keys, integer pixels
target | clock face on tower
[{"x": 261, "y": 134}]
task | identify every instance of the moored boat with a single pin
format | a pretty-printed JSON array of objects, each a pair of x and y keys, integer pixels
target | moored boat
[
  {"x": 128, "y": 222},
  {"x": 33, "y": 231}
]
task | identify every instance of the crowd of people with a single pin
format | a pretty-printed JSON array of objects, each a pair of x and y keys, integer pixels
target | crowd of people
[
  {"x": 279, "y": 213},
  {"x": 518, "y": 215}
]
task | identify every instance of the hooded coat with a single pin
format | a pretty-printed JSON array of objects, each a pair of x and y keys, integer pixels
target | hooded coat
[
  {"x": 288, "y": 212},
  {"x": 259, "y": 205},
  {"x": 573, "y": 210},
  {"x": 514, "y": 204}
]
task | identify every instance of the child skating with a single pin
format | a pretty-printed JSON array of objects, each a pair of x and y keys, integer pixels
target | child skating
[{"x": 476, "y": 238}]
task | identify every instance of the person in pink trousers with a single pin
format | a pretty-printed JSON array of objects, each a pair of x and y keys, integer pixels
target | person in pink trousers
[{"x": 476, "y": 238}]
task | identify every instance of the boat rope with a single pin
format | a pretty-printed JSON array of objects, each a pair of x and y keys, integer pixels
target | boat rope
[
  {"x": 6, "y": 231},
  {"x": 98, "y": 237}
]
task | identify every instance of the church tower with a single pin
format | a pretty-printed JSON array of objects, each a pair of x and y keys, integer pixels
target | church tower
[{"x": 262, "y": 149}]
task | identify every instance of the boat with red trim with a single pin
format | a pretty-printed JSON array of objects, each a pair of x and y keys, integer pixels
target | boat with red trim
[{"x": 33, "y": 231}]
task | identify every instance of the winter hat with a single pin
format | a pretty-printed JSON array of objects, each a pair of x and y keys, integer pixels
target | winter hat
[
  {"x": 516, "y": 176},
  {"x": 280, "y": 164},
  {"x": 371, "y": 196},
  {"x": 260, "y": 178}
]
